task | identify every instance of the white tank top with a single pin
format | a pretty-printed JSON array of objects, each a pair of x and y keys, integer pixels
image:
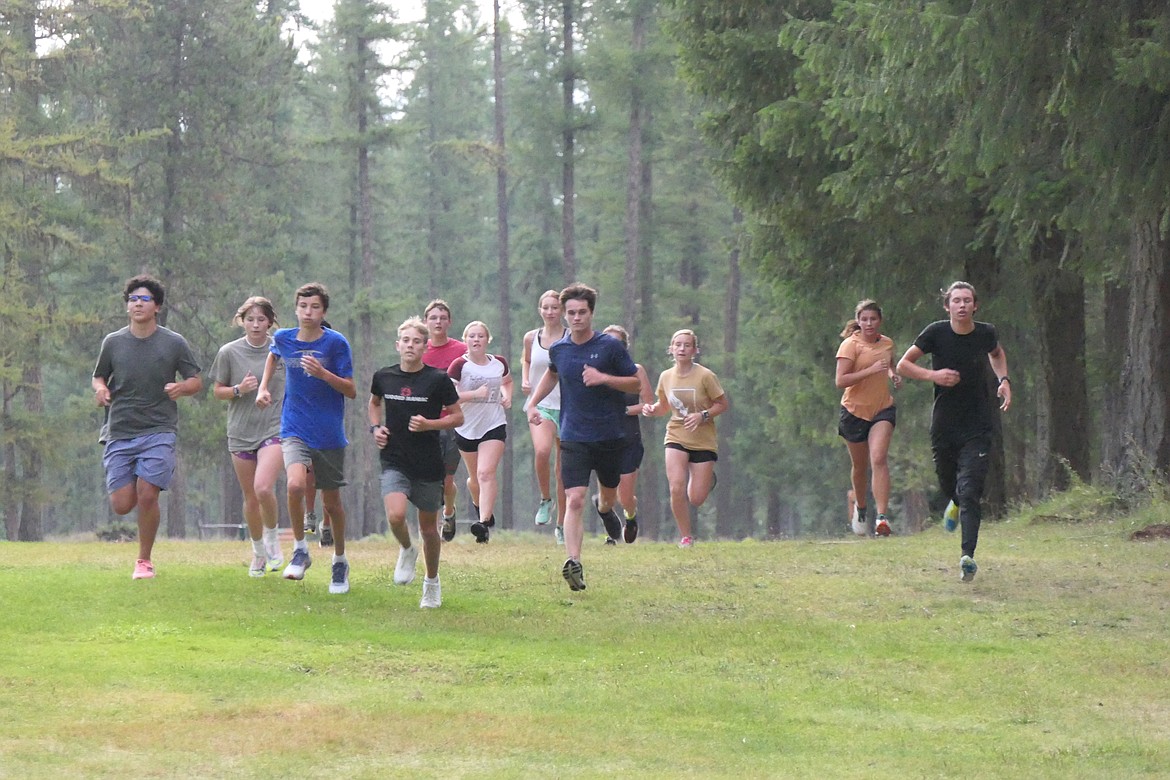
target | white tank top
[{"x": 536, "y": 368}]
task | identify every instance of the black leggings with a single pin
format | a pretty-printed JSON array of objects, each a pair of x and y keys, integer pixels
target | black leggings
[{"x": 962, "y": 470}]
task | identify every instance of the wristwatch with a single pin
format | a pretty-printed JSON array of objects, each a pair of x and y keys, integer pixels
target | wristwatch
[
  {"x": 236, "y": 390},
  {"x": 706, "y": 415},
  {"x": 1005, "y": 378},
  {"x": 374, "y": 428}
]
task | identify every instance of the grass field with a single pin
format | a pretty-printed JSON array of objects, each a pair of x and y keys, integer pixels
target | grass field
[{"x": 863, "y": 658}]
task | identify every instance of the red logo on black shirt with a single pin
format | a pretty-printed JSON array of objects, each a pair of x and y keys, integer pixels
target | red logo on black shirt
[{"x": 406, "y": 391}]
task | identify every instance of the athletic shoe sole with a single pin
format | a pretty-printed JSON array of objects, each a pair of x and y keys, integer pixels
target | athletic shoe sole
[
  {"x": 609, "y": 518},
  {"x": 968, "y": 567},
  {"x": 574, "y": 575},
  {"x": 480, "y": 532},
  {"x": 882, "y": 528},
  {"x": 630, "y": 534},
  {"x": 448, "y": 529}
]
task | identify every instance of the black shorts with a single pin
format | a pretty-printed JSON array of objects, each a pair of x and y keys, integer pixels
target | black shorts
[
  {"x": 695, "y": 456},
  {"x": 499, "y": 433},
  {"x": 579, "y": 458},
  {"x": 632, "y": 455},
  {"x": 856, "y": 430}
]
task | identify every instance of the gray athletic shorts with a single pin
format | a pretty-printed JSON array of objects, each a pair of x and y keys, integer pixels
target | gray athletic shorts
[
  {"x": 328, "y": 466},
  {"x": 426, "y": 496}
]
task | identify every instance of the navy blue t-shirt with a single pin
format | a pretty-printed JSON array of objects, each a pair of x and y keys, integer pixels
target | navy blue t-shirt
[{"x": 590, "y": 414}]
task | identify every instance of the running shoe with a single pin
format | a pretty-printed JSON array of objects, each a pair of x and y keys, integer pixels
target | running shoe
[
  {"x": 559, "y": 532},
  {"x": 967, "y": 567},
  {"x": 631, "y": 531},
  {"x": 609, "y": 518},
  {"x": 610, "y": 540},
  {"x": 339, "y": 583},
  {"x": 686, "y": 542},
  {"x": 296, "y": 567},
  {"x": 859, "y": 522},
  {"x": 480, "y": 532},
  {"x": 404, "y": 569},
  {"x": 448, "y": 528},
  {"x": 143, "y": 570},
  {"x": 882, "y": 526},
  {"x": 326, "y": 536},
  {"x": 574, "y": 574},
  {"x": 310, "y": 522},
  {"x": 432, "y": 597},
  {"x": 259, "y": 566},
  {"x": 951, "y": 517},
  {"x": 544, "y": 511},
  {"x": 275, "y": 556}
]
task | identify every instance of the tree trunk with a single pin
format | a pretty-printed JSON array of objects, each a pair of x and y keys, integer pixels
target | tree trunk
[
  {"x": 1145, "y": 376},
  {"x": 1116, "y": 319},
  {"x": 1058, "y": 297},
  {"x": 729, "y": 523},
  {"x": 568, "y": 140},
  {"x": 369, "y": 516},
  {"x": 10, "y": 493},
  {"x": 504, "y": 289},
  {"x": 633, "y": 234}
]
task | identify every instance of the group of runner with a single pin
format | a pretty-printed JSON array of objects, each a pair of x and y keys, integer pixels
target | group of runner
[
  {"x": 445, "y": 399},
  {"x": 963, "y": 352}
]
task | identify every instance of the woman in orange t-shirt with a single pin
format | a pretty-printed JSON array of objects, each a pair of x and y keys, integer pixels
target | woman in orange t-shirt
[{"x": 865, "y": 368}]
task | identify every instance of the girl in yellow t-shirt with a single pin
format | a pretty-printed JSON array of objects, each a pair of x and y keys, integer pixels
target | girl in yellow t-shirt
[
  {"x": 865, "y": 368},
  {"x": 692, "y": 396}
]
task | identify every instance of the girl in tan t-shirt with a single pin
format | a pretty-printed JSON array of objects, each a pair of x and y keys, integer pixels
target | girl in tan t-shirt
[
  {"x": 693, "y": 397},
  {"x": 865, "y": 368}
]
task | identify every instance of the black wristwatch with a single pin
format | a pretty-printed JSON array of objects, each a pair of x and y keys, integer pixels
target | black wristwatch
[
  {"x": 1003, "y": 379},
  {"x": 374, "y": 428}
]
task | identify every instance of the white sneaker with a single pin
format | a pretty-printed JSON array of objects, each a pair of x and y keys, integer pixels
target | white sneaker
[
  {"x": 544, "y": 511},
  {"x": 404, "y": 569},
  {"x": 339, "y": 582},
  {"x": 432, "y": 597},
  {"x": 275, "y": 556},
  {"x": 296, "y": 568},
  {"x": 259, "y": 566},
  {"x": 559, "y": 532},
  {"x": 859, "y": 522}
]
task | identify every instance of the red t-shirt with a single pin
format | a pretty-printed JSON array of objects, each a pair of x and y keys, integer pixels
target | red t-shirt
[{"x": 442, "y": 357}]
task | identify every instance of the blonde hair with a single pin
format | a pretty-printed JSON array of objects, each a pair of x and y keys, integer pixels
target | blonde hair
[
  {"x": 477, "y": 323},
  {"x": 620, "y": 333},
  {"x": 547, "y": 294},
  {"x": 413, "y": 322}
]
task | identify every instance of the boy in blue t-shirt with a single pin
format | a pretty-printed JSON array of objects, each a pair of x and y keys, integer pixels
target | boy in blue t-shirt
[
  {"x": 593, "y": 371},
  {"x": 318, "y": 378}
]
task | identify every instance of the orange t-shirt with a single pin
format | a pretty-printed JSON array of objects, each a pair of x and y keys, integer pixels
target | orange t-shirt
[{"x": 872, "y": 394}]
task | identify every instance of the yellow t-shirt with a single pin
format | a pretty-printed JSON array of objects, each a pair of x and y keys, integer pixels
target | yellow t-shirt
[
  {"x": 872, "y": 394},
  {"x": 687, "y": 394}
]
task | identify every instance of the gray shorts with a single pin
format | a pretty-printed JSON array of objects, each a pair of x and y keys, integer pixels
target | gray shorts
[
  {"x": 328, "y": 465},
  {"x": 426, "y": 496},
  {"x": 150, "y": 457},
  {"x": 450, "y": 450}
]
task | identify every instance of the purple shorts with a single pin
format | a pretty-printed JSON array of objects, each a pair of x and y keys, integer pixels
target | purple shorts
[{"x": 251, "y": 454}]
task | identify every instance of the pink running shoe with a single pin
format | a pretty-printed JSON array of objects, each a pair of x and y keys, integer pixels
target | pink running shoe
[
  {"x": 143, "y": 570},
  {"x": 686, "y": 542}
]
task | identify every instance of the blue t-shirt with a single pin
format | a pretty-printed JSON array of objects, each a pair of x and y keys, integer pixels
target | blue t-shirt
[
  {"x": 313, "y": 411},
  {"x": 590, "y": 414}
]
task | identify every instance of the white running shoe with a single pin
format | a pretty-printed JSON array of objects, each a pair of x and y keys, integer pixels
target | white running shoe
[
  {"x": 432, "y": 597},
  {"x": 275, "y": 556},
  {"x": 259, "y": 566},
  {"x": 559, "y": 532},
  {"x": 339, "y": 582},
  {"x": 296, "y": 568},
  {"x": 859, "y": 522},
  {"x": 404, "y": 569}
]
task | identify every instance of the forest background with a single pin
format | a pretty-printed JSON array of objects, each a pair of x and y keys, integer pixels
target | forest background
[{"x": 748, "y": 169}]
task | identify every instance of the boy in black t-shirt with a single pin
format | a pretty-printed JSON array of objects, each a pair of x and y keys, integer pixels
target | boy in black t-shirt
[
  {"x": 406, "y": 401},
  {"x": 962, "y": 350}
]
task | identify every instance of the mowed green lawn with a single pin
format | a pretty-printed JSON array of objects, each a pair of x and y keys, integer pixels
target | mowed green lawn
[{"x": 846, "y": 658}]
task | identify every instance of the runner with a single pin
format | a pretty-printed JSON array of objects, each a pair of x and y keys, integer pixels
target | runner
[
  {"x": 135, "y": 381},
  {"x": 485, "y": 392},
  {"x": 441, "y": 352},
  {"x": 692, "y": 395},
  {"x": 253, "y": 433},
  {"x": 864, "y": 370},
  {"x": 406, "y": 414},
  {"x": 593, "y": 370},
  {"x": 318, "y": 379},
  {"x": 962, "y": 420},
  {"x": 631, "y": 455},
  {"x": 546, "y": 439}
]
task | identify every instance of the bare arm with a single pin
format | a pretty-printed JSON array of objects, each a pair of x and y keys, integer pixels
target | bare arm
[
  {"x": 263, "y": 396},
  {"x": 847, "y": 377},
  {"x": 545, "y": 386},
  {"x": 908, "y": 366},
  {"x": 452, "y": 419},
  {"x": 526, "y": 363},
  {"x": 189, "y": 386},
  {"x": 998, "y": 359}
]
